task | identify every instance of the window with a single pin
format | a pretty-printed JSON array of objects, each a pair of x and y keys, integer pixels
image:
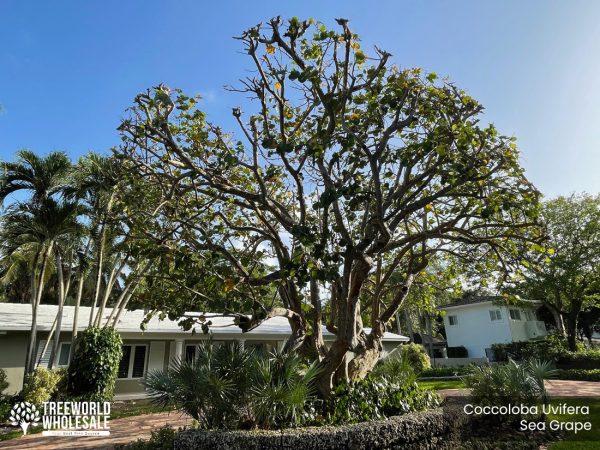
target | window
[
  {"x": 495, "y": 315},
  {"x": 515, "y": 314},
  {"x": 133, "y": 363},
  {"x": 63, "y": 358},
  {"x": 453, "y": 320},
  {"x": 529, "y": 315},
  {"x": 190, "y": 353}
]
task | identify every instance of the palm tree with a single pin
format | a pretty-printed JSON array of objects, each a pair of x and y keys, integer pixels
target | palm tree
[
  {"x": 23, "y": 225},
  {"x": 97, "y": 182},
  {"x": 39, "y": 231},
  {"x": 44, "y": 177}
]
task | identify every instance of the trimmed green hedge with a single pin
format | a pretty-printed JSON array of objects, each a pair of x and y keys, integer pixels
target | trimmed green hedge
[
  {"x": 587, "y": 359},
  {"x": 551, "y": 347},
  {"x": 578, "y": 374}
]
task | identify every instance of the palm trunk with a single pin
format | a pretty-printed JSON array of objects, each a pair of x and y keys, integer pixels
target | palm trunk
[
  {"x": 125, "y": 296},
  {"x": 59, "y": 314},
  {"x": 38, "y": 290},
  {"x": 101, "y": 249},
  {"x": 114, "y": 275},
  {"x": 47, "y": 344},
  {"x": 76, "y": 312}
]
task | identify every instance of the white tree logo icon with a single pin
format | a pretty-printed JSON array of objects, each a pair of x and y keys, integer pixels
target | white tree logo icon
[{"x": 24, "y": 414}]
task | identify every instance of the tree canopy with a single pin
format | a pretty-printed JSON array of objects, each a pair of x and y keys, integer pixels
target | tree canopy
[
  {"x": 567, "y": 276},
  {"x": 347, "y": 169}
]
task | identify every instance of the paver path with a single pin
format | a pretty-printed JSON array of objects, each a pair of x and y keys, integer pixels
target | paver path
[
  {"x": 556, "y": 388},
  {"x": 122, "y": 431}
]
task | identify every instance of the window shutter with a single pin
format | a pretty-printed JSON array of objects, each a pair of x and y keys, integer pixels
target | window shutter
[
  {"x": 139, "y": 361},
  {"x": 42, "y": 361}
]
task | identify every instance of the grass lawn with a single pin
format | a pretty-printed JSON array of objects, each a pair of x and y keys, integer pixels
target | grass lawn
[
  {"x": 584, "y": 439},
  {"x": 442, "y": 384}
]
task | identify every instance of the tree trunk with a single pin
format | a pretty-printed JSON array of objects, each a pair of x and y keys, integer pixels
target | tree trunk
[
  {"x": 571, "y": 324},
  {"x": 76, "y": 313},
  {"x": 59, "y": 314},
  {"x": 38, "y": 290},
  {"x": 409, "y": 327},
  {"x": 558, "y": 319}
]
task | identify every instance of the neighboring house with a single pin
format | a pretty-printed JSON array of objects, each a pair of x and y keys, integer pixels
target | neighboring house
[
  {"x": 142, "y": 350},
  {"x": 437, "y": 344},
  {"x": 477, "y": 322}
]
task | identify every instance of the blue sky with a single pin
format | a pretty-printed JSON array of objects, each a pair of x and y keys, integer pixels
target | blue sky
[{"x": 69, "y": 69}]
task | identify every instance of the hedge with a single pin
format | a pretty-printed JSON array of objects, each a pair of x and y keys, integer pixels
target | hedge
[
  {"x": 578, "y": 374},
  {"x": 588, "y": 359},
  {"x": 437, "y": 428}
]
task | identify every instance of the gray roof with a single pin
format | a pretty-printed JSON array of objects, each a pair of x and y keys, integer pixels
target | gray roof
[
  {"x": 17, "y": 316},
  {"x": 471, "y": 300},
  {"x": 474, "y": 299}
]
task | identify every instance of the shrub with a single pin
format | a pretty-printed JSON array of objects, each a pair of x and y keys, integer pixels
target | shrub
[
  {"x": 161, "y": 439},
  {"x": 377, "y": 397},
  {"x": 281, "y": 389},
  {"x": 417, "y": 356},
  {"x": 231, "y": 387},
  {"x": 3, "y": 382},
  {"x": 93, "y": 369},
  {"x": 586, "y": 359},
  {"x": 457, "y": 352},
  {"x": 512, "y": 383},
  {"x": 396, "y": 368},
  {"x": 552, "y": 347},
  {"x": 41, "y": 385},
  {"x": 213, "y": 388},
  {"x": 578, "y": 374}
]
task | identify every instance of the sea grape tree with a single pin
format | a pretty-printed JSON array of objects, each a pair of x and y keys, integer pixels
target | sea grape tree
[{"x": 347, "y": 171}]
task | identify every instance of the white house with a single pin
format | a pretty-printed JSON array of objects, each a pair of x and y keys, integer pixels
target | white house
[
  {"x": 477, "y": 322},
  {"x": 146, "y": 350}
]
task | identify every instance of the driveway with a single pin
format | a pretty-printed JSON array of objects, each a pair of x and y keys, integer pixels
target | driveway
[
  {"x": 122, "y": 431},
  {"x": 556, "y": 388}
]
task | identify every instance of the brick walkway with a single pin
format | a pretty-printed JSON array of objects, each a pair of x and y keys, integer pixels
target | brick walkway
[
  {"x": 556, "y": 388},
  {"x": 122, "y": 431}
]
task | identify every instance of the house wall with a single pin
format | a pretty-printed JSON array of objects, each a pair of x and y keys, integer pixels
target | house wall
[
  {"x": 13, "y": 349},
  {"x": 475, "y": 330},
  {"x": 519, "y": 327},
  {"x": 13, "y": 352}
]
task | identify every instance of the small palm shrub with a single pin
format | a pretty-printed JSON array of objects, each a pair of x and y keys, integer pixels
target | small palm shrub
[
  {"x": 93, "y": 369},
  {"x": 417, "y": 356},
  {"x": 41, "y": 385},
  {"x": 513, "y": 383},
  {"x": 396, "y": 368},
  {"x": 229, "y": 387},
  {"x": 213, "y": 388},
  {"x": 281, "y": 388}
]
